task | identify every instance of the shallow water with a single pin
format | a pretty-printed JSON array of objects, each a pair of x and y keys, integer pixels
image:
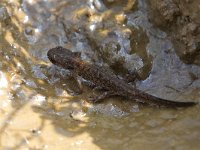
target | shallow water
[{"x": 39, "y": 103}]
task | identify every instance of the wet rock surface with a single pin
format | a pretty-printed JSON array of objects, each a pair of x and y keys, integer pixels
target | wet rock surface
[{"x": 180, "y": 19}]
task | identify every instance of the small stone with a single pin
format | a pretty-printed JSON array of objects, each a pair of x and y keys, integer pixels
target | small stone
[
  {"x": 78, "y": 115},
  {"x": 29, "y": 31},
  {"x": 135, "y": 108}
]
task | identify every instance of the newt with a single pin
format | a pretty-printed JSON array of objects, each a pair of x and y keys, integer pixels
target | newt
[{"x": 106, "y": 79}]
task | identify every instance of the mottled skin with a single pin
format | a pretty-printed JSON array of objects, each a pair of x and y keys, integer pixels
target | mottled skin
[{"x": 106, "y": 79}]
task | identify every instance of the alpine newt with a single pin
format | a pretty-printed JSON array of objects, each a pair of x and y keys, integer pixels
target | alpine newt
[{"x": 106, "y": 79}]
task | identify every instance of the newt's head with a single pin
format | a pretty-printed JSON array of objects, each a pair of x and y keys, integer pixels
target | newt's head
[{"x": 64, "y": 58}]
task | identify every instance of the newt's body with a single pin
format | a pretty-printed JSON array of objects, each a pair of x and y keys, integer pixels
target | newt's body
[{"x": 106, "y": 79}]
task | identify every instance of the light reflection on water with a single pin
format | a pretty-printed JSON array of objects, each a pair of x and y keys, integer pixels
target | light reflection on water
[{"x": 3, "y": 80}]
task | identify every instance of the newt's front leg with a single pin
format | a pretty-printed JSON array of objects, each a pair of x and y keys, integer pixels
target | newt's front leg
[{"x": 76, "y": 84}]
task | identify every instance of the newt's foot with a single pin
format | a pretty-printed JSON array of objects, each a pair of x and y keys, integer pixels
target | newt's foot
[{"x": 131, "y": 77}]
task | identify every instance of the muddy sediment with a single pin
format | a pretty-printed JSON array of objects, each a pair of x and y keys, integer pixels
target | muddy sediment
[{"x": 182, "y": 22}]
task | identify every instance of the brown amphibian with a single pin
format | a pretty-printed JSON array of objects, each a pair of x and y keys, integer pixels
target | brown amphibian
[{"x": 106, "y": 79}]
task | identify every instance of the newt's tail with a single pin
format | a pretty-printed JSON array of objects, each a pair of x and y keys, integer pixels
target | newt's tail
[{"x": 152, "y": 100}]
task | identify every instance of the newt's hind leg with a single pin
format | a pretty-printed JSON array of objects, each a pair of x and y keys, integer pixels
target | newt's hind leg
[
  {"x": 102, "y": 96},
  {"x": 131, "y": 78}
]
